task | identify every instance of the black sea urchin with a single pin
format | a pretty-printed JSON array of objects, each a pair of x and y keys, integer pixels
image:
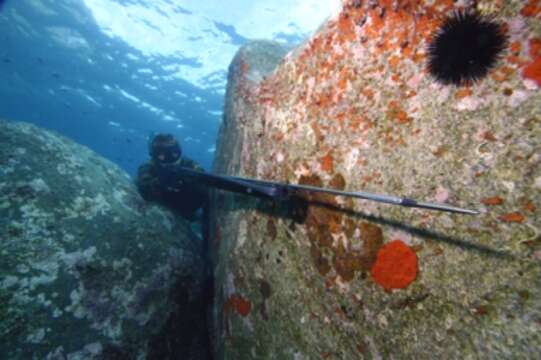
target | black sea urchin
[{"x": 465, "y": 48}]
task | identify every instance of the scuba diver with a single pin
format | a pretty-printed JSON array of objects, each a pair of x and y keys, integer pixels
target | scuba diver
[{"x": 159, "y": 181}]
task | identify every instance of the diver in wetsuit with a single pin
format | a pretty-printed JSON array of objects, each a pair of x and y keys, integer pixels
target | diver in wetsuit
[{"x": 158, "y": 181}]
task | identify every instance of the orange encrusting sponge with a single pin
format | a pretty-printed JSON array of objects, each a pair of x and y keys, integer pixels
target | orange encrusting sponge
[{"x": 395, "y": 266}]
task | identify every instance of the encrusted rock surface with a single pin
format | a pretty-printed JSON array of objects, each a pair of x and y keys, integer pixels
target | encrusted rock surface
[
  {"x": 355, "y": 108},
  {"x": 87, "y": 268}
]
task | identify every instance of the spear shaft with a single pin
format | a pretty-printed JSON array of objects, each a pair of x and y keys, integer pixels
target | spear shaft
[{"x": 282, "y": 191}]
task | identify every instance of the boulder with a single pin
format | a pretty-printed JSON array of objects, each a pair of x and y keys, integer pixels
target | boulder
[
  {"x": 87, "y": 268},
  {"x": 358, "y": 108}
]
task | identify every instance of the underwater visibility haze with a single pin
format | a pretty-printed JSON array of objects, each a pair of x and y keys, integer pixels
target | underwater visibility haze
[{"x": 109, "y": 73}]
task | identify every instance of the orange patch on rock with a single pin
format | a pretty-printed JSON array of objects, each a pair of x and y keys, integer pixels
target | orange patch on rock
[
  {"x": 496, "y": 200},
  {"x": 317, "y": 131},
  {"x": 532, "y": 8},
  {"x": 487, "y": 135},
  {"x": 504, "y": 73},
  {"x": 323, "y": 100},
  {"x": 514, "y": 217},
  {"x": 402, "y": 117},
  {"x": 394, "y": 61},
  {"x": 239, "y": 304},
  {"x": 462, "y": 93},
  {"x": 515, "y": 47},
  {"x": 529, "y": 206},
  {"x": 396, "y": 112},
  {"x": 326, "y": 163},
  {"x": 516, "y": 60},
  {"x": 535, "y": 47},
  {"x": 373, "y": 30},
  {"x": 369, "y": 94},
  {"x": 395, "y": 266},
  {"x": 532, "y": 71},
  {"x": 278, "y": 136},
  {"x": 346, "y": 27},
  {"x": 343, "y": 79}
]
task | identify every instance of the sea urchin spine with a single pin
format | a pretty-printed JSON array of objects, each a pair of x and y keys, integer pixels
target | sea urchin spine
[{"x": 465, "y": 49}]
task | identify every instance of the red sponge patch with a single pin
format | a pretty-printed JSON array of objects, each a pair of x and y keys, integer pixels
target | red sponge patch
[{"x": 395, "y": 266}]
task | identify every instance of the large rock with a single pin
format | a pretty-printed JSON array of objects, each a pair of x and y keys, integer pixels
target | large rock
[
  {"x": 252, "y": 63},
  {"x": 87, "y": 268},
  {"x": 355, "y": 108}
]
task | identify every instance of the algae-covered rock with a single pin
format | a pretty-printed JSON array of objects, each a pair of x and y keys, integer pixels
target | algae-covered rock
[
  {"x": 87, "y": 268},
  {"x": 252, "y": 63},
  {"x": 357, "y": 108}
]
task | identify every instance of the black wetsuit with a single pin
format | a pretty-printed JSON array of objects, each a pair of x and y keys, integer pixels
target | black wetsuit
[
  {"x": 184, "y": 195},
  {"x": 164, "y": 186}
]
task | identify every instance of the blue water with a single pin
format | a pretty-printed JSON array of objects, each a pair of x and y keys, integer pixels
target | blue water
[{"x": 63, "y": 67}]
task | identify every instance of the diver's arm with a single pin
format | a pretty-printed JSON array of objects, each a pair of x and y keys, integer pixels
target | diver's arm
[{"x": 226, "y": 183}]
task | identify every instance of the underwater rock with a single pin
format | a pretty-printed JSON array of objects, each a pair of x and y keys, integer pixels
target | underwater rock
[
  {"x": 252, "y": 63},
  {"x": 357, "y": 103},
  {"x": 87, "y": 268}
]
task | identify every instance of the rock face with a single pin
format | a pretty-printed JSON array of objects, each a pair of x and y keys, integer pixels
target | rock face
[
  {"x": 87, "y": 268},
  {"x": 252, "y": 63},
  {"x": 355, "y": 108}
]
